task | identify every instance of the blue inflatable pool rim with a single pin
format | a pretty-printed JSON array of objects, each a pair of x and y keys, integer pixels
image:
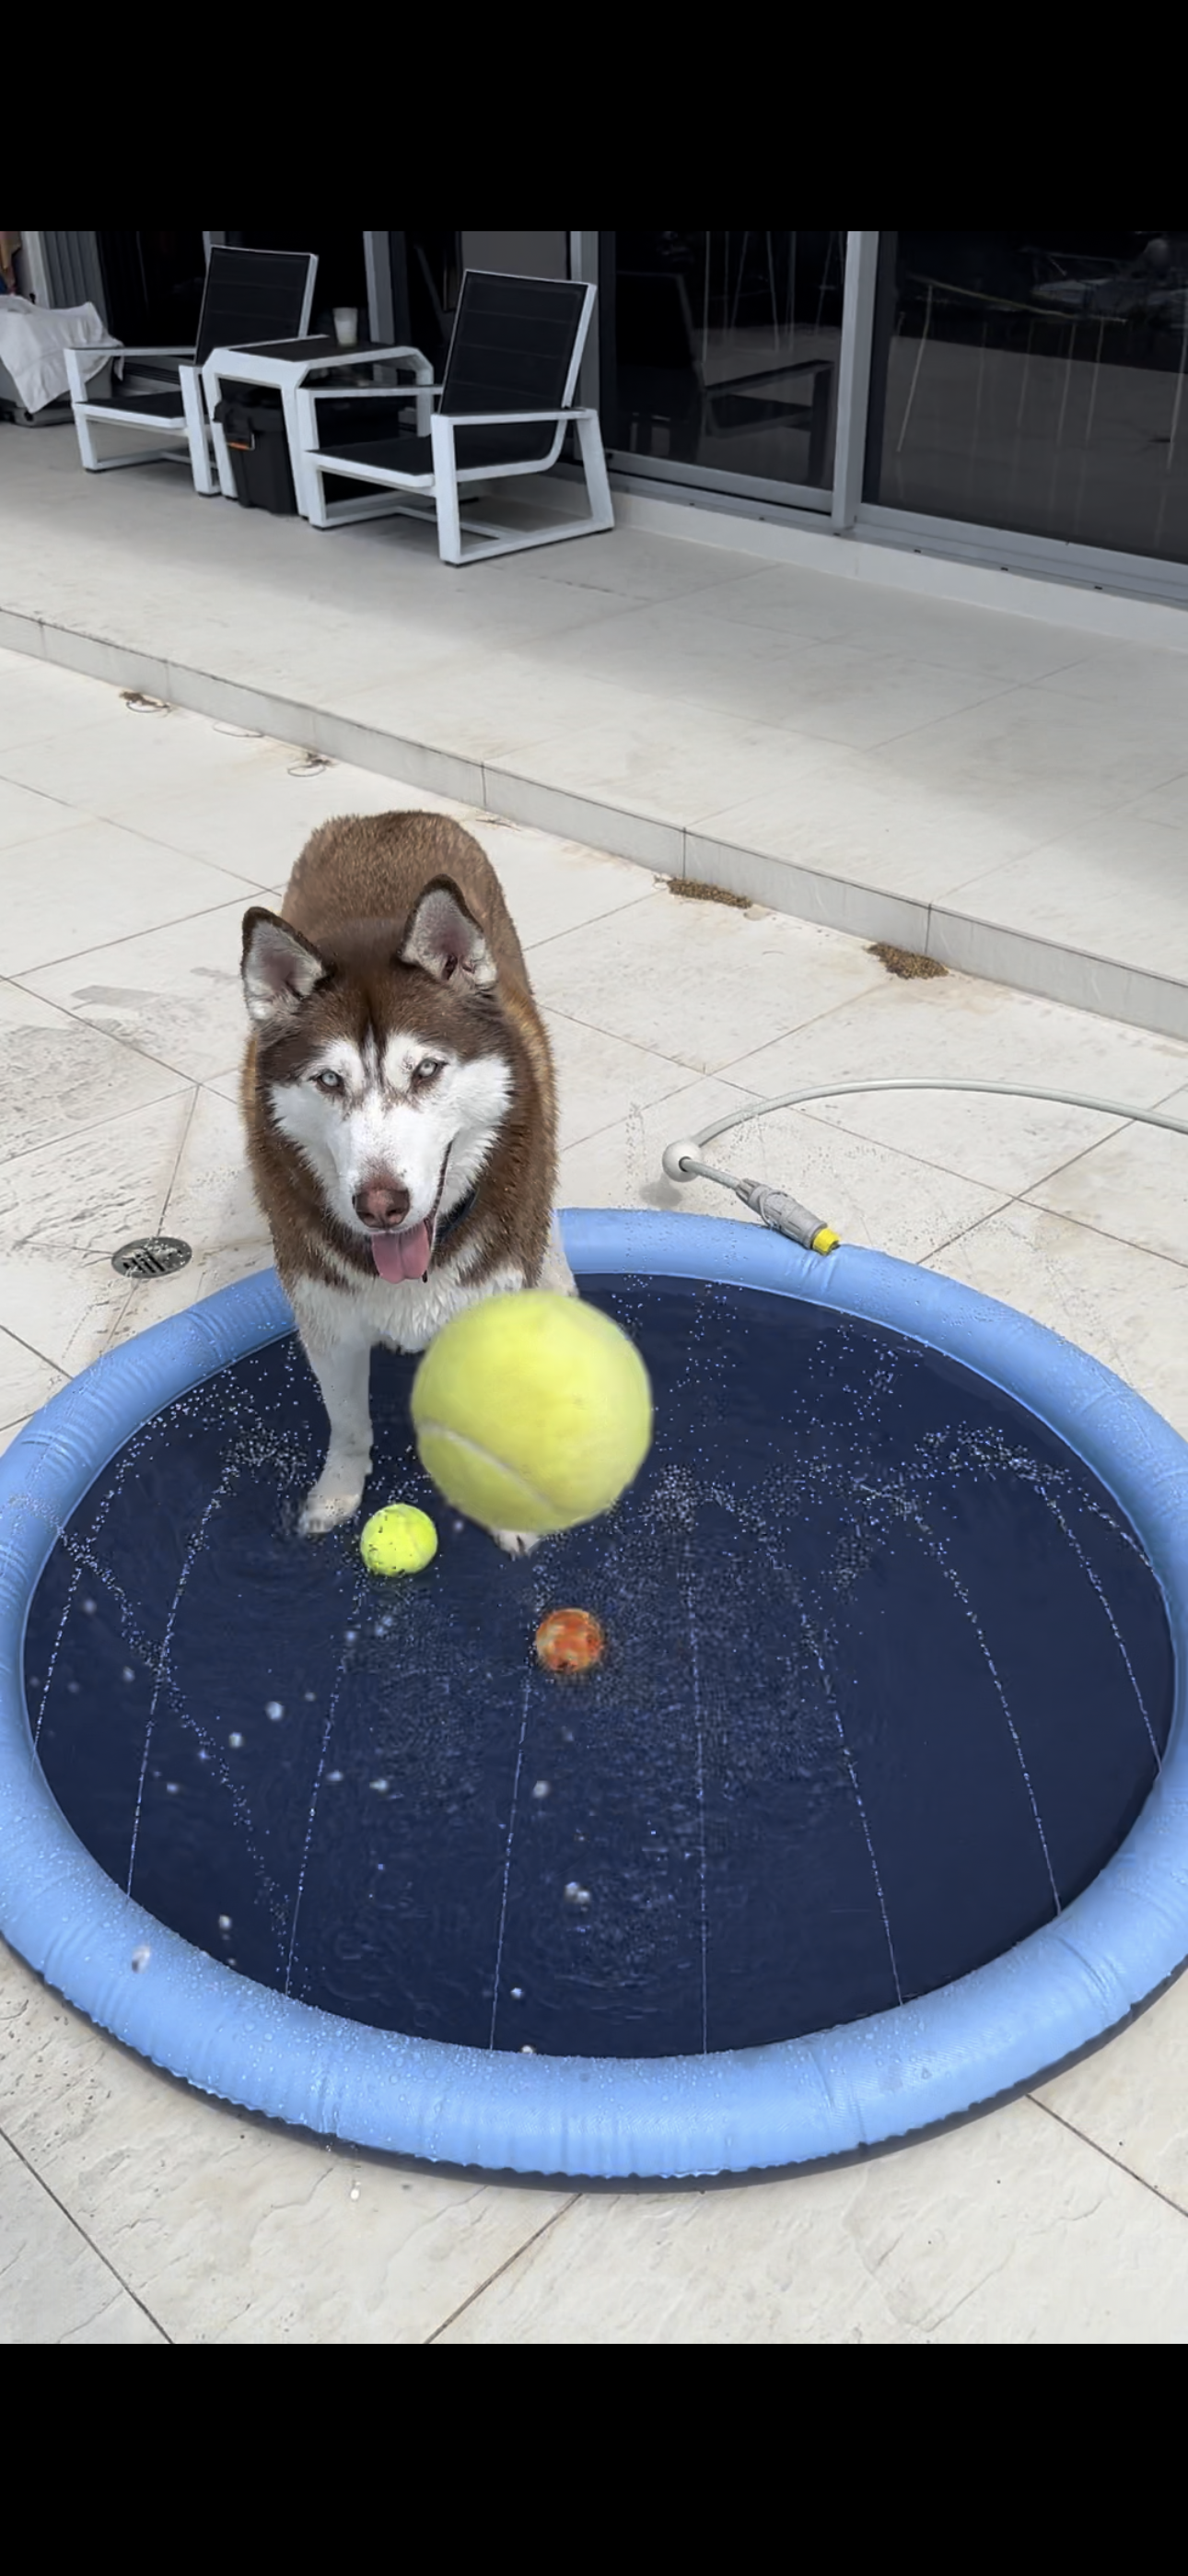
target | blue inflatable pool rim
[{"x": 862, "y": 2085}]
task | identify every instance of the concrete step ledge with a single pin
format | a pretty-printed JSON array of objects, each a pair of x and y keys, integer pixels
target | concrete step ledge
[{"x": 1063, "y": 973}]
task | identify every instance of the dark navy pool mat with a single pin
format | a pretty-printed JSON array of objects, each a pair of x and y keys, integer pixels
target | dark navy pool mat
[{"x": 888, "y": 1679}]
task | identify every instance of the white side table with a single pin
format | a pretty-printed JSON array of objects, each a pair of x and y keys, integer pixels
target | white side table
[{"x": 286, "y": 365}]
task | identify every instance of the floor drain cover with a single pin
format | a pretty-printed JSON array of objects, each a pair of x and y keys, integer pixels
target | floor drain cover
[{"x": 152, "y": 1256}]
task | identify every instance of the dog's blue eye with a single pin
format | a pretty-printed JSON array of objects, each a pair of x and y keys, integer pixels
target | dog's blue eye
[
  {"x": 328, "y": 1081},
  {"x": 427, "y": 1068}
]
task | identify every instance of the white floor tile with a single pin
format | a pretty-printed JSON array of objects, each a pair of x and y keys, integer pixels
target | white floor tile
[
  {"x": 662, "y": 758},
  {"x": 791, "y": 602},
  {"x": 175, "y": 994},
  {"x": 956, "y": 1028},
  {"x": 1128, "y": 2099},
  {"x": 618, "y": 1164},
  {"x": 26, "y": 815},
  {"x": 41, "y": 701},
  {"x": 1135, "y": 1186},
  {"x": 420, "y": 624},
  {"x": 230, "y": 2232},
  {"x": 1009, "y": 2231},
  {"x": 865, "y": 1193},
  {"x": 1166, "y": 804},
  {"x": 210, "y": 1204},
  {"x": 55, "y": 2287},
  {"x": 630, "y": 563},
  {"x": 97, "y": 882},
  {"x": 843, "y": 692},
  {"x": 701, "y": 979},
  {"x": 26, "y": 1381},
  {"x": 103, "y": 766},
  {"x": 1114, "y": 886},
  {"x": 553, "y": 885},
  {"x": 487, "y": 705},
  {"x": 1038, "y": 759},
  {"x": 1124, "y": 1305},
  {"x": 57, "y": 1075},
  {"x": 256, "y": 825},
  {"x": 65, "y": 1210},
  {"x": 849, "y": 816},
  {"x": 600, "y": 1079},
  {"x": 1124, "y": 678}
]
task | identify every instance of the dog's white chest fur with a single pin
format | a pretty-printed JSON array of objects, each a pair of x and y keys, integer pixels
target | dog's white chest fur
[{"x": 404, "y": 1318}]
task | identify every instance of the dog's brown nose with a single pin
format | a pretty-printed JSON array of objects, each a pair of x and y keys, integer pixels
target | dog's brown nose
[{"x": 382, "y": 1202}]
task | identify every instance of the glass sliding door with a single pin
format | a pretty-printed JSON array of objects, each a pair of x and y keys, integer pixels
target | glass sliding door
[
  {"x": 719, "y": 358},
  {"x": 1035, "y": 382}
]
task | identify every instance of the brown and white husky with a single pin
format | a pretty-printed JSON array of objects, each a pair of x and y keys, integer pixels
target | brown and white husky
[{"x": 400, "y": 1107}]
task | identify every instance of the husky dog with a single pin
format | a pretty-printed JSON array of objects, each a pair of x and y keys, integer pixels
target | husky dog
[{"x": 400, "y": 1106}]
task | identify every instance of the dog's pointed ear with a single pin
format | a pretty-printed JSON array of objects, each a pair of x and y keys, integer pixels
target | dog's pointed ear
[
  {"x": 280, "y": 969},
  {"x": 445, "y": 939}
]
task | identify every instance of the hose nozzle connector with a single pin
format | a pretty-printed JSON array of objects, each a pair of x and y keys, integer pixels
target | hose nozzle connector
[
  {"x": 682, "y": 1162},
  {"x": 786, "y": 1216}
]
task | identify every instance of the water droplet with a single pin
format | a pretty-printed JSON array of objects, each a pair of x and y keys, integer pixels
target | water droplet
[
  {"x": 127, "y": 1674},
  {"x": 541, "y": 1788},
  {"x": 526, "y": 2051},
  {"x": 89, "y": 1607},
  {"x": 350, "y": 1636},
  {"x": 224, "y": 1922},
  {"x": 140, "y": 1957},
  {"x": 575, "y": 1895},
  {"x": 334, "y": 1775},
  {"x": 274, "y": 1708},
  {"x": 309, "y": 1694},
  {"x": 171, "y": 1787},
  {"x": 235, "y": 1741},
  {"x": 517, "y": 1994},
  {"x": 354, "y": 2191},
  {"x": 381, "y": 1785}
]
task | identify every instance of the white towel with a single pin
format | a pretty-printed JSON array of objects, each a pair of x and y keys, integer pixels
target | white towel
[{"x": 32, "y": 340}]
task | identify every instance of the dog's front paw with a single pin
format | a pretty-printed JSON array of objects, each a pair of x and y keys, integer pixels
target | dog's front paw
[
  {"x": 555, "y": 1273},
  {"x": 516, "y": 1542},
  {"x": 334, "y": 1499}
]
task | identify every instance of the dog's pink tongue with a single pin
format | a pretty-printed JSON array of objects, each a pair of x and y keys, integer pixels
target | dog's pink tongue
[{"x": 402, "y": 1256}]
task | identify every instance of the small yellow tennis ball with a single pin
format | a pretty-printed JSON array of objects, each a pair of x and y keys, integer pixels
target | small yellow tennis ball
[
  {"x": 398, "y": 1540},
  {"x": 532, "y": 1412}
]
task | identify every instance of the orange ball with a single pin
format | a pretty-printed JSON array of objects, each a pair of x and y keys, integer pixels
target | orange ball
[{"x": 570, "y": 1641}]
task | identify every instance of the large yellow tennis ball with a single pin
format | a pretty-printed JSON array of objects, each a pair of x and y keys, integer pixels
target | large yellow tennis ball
[
  {"x": 532, "y": 1412},
  {"x": 397, "y": 1540}
]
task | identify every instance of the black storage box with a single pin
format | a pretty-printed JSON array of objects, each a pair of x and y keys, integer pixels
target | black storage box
[{"x": 253, "y": 423}]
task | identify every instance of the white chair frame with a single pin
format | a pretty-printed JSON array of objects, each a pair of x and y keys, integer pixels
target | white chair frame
[
  {"x": 190, "y": 436},
  {"x": 440, "y": 494}
]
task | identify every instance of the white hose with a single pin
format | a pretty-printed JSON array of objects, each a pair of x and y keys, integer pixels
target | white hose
[{"x": 682, "y": 1160}]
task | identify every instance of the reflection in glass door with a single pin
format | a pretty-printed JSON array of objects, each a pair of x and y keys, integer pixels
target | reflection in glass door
[
  {"x": 719, "y": 357},
  {"x": 1035, "y": 382}
]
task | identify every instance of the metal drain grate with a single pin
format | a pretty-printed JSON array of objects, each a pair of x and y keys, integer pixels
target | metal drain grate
[{"x": 151, "y": 1256}]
